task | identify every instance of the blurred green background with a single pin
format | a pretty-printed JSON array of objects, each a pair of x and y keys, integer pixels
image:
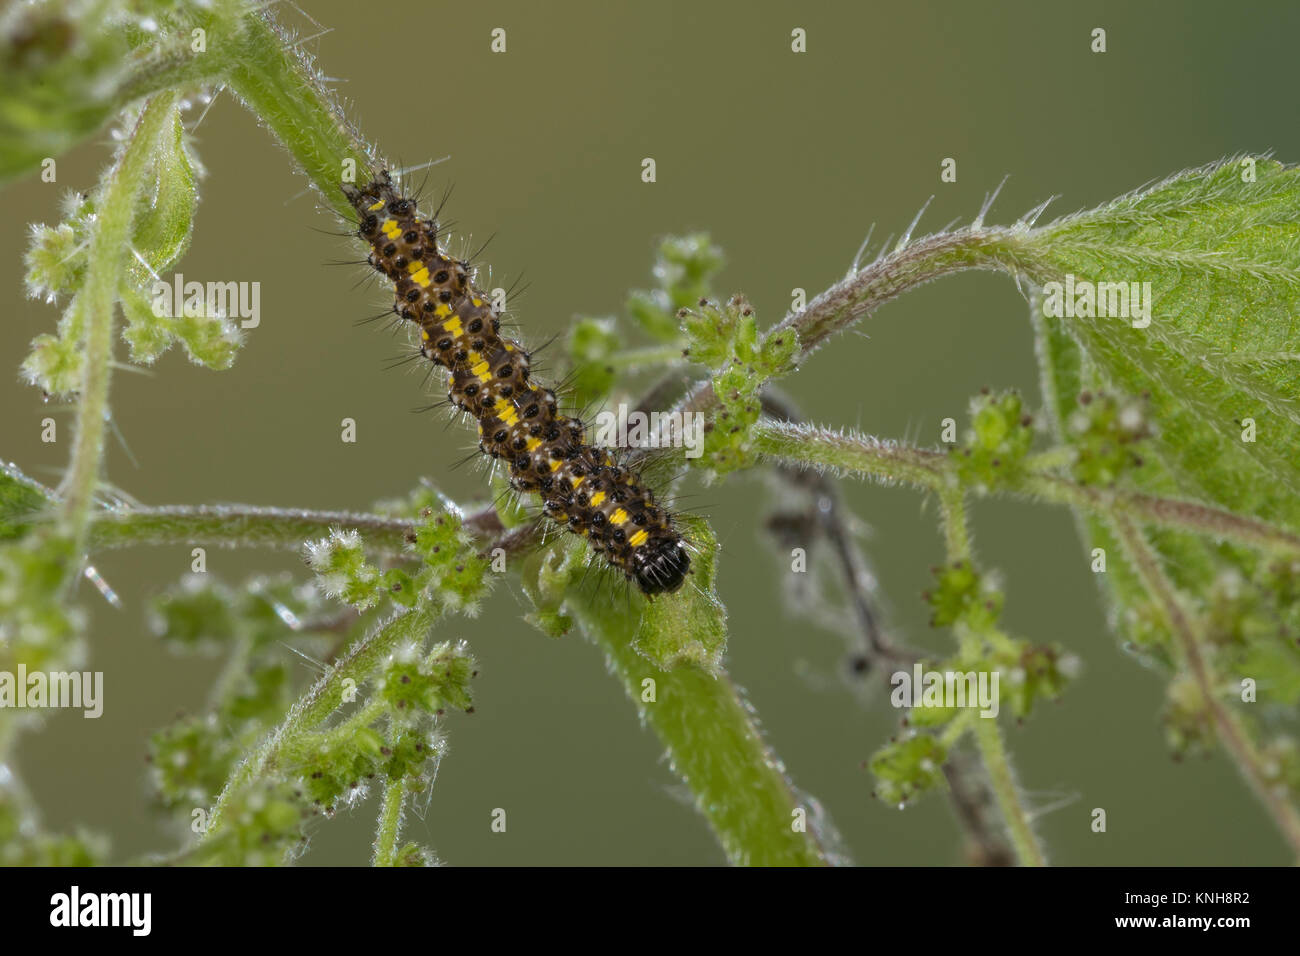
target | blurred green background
[{"x": 786, "y": 160}]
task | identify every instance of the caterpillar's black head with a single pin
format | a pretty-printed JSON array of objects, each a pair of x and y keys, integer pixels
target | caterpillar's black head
[
  {"x": 379, "y": 188},
  {"x": 660, "y": 566}
]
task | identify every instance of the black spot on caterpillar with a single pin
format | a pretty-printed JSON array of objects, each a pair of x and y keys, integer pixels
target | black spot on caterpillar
[{"x": 583, "y": 488}]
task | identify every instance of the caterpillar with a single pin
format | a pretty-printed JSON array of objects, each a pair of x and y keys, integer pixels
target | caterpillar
[{"x": 583, "y": 489}]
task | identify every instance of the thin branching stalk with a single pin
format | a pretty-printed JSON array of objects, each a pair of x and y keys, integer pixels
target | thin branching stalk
[
  {"x": 844, "y": 452},
  {"x": 241, "y": 526},
  {"x": 324, "y": 697},
  {"x": 988, "y": 735},
  {"x": 97, "y": 303},
  {"x": 279, "y": 529},
  {"x": 173, "y": 70},
  {"x": 865, "y": 290},
  {"x": 890, "y": 461},
  {"x": 390, "y": 823},
  {"x": 389, "y": 828},
  {"x": 1174, "y": 513},
  {"x": 956, "y": 532},
  {"x": 973, "y": 802},
  {"x": 1230, "y": 730}
]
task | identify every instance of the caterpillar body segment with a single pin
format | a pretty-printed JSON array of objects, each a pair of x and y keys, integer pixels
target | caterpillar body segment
[{"x": 582, "y": 487}]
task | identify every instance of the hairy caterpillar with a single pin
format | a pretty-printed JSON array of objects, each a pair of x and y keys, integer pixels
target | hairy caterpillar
[{"x": 583, "y": 489}]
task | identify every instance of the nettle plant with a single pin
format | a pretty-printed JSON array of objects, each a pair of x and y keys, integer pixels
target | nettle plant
[{"x": 1167, "y": 344}]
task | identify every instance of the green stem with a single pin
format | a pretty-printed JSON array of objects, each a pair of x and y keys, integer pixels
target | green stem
[
  {"x": 118, "y": 200},
  {"x": 171, "y": 71},
  {"x": 1054, "y": 459},
  {"x": 957, "y": 728},
  {"x": 242, "y": 526},
  {"x": 889, "y": 461},
  {"x": 283, "y": 92},
  {"x": 988, "y": 735},
  {"x": 235, "y": 668},
  {"x": 389, "y": 827},
  {"x": 325, "y": 696},
  {"x": 996, "y": 248},
  {"x": 1174, "y": 513},
  {"x": 305, "y": 741},
  {"x": 994, "y": 754},
  {"x": 802, "y": 446},
  {"x": 952, "y": 502},
  {"x": 655, "y": 356},
  {"x": 714, "y": 744},
  {"x": 862, "y": 292},
  {"x": 1234, "y": 736},
  {"x": 811, "y": 446},
  {"x": 281, "y": 529}
]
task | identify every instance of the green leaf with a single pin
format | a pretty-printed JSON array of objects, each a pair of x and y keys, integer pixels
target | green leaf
[
  {"x": 1220, "y": 249},
  {"x": 165, "y": 221},
  {"x": 547, "y": 577},
  {"x": 21, "y": 499},
  {"x": 690, "y": 626}
]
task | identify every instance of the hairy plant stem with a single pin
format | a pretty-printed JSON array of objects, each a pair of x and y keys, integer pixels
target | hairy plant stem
[
  {"x": 864, "y": 290},
  {"x": 952, "y": 504},
  {"x": 253, "y": 526},
  {"x": 118, "y": 200},
  {"x": 933, "y": 471},
  {"x": 713, "y": 742},
  {"x": 651, "y": 356},
  {"x": 810, "y": 446},
  {"x": 281, "y": 529},
  {"x": 390, "y": 823},
  {"x": 324, "y": 697},
  {"x": 972, "y": 801},
  {"x": 170, "y": 71},
  {"x": 282, "y": 91},
  {"x": 1234, "y": 736},
  {"x": 242, "y": 526},
  {"x": 988, "y": 735},
  {"x": 1174, "y": 513}
]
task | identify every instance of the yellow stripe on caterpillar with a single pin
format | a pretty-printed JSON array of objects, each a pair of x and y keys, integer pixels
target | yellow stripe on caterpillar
[
  {"x": 506, "y": 411},
  {"x": 405, "y": 248}
]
